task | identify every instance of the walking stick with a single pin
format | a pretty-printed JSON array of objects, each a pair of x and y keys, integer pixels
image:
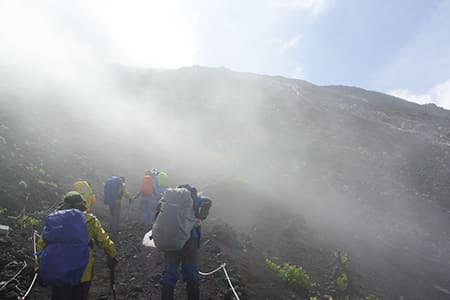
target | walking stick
[{"x": 112, "y": 281}]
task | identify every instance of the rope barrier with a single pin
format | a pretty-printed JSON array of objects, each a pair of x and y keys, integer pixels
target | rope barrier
[
  {"x": 214, "y": 271},
  {"x": 35, "y": 234},
  {"x": 5, "y": 283},
  {"x": 222, "y": 266},
  {"x": 231, "y": 285},
  {"x": 29, "y": 288}
]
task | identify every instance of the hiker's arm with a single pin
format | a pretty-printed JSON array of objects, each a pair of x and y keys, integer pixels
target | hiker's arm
[
  {"x": 102, "y": 239},
  {"x": 39, "y": 247},
  {"x": 157, "y": 210}
]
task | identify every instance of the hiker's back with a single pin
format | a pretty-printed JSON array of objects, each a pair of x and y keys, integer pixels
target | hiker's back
[
  {"x": 66, "y": 254},
  {"x": 175, "y": 220},
  {"x": 83, "y": 187},
  {"x": 147, "y": 185},
  {"x": 112, "y": 190}
]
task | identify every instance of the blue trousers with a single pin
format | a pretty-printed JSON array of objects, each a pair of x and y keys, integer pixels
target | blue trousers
[
  {"x": 188, "y": 257},
  {"x": 148, "y": 204}
]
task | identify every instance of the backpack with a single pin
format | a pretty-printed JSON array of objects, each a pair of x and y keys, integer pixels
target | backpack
[
  {"x": 173, "y": 225},
  {"x": 147, "y": 185},
  {"x": 112, "y": 191},
  {"x": 163, "y": 180},
  {"x": 63, "y": 260}
]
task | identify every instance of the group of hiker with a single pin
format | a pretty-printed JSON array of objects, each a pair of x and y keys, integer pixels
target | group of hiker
[{"x": 65, "y": 250}]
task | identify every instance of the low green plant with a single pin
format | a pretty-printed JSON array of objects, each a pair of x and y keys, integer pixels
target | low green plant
[
  {"x": 26, "y": 221},
  {"x": 294, "y": 276},
  {"x": 342, "y": 282},
  {"x": 3, "y": 210},
  {"x": 343, "y": 259},
  {"x": 371, "y": 297}
]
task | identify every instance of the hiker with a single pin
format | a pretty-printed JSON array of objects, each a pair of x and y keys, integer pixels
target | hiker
[
  {"x": 65, "y": 251},
  {"x": 154, "y": 184},
  {"x": 114, "y": 190},
  {"x": 83, "y": 187},
  {"x": 176, "y": 231}
]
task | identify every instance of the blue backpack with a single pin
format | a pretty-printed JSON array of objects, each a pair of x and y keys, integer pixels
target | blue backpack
[
  {"x": 63, "y": 260},
  {"x": 112, "y": 190}
]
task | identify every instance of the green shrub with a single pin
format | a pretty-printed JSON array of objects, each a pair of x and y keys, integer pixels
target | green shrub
[
  {"x": 342, "y": 282},
  {"x": 26, "y": 221},
  {"x": 343, "y": 259},
  {"x": 294, "y": 276},
  {"x": 3, "y": 210},
  {"x": 371, "y": 297}
]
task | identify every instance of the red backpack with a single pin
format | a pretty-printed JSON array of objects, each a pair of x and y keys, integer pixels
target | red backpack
[{"x": 147, "y": 185}]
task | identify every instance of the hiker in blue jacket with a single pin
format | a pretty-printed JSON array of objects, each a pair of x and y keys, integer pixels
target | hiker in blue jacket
[
  {"x": 188, "y": 255},
  {"x": 115, "y": 190}
]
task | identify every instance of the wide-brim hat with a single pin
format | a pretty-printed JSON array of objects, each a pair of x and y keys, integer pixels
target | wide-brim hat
[{"x": 74, "y": 199}]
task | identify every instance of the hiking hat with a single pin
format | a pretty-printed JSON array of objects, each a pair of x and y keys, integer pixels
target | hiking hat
[{"x": 74, "y": 199}]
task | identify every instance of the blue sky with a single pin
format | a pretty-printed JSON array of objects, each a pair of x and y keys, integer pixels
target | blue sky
[{"x": 400, "y": 47}]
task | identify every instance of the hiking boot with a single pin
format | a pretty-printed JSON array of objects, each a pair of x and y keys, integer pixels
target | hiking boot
[
  {"x": 193, "y": 290},
  {"x": 167, "y": 292}
]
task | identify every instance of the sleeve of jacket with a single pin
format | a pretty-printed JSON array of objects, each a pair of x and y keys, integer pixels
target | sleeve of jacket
[
  {"x": 39, "y": 247},
  {"x": 102, "y": 238}
]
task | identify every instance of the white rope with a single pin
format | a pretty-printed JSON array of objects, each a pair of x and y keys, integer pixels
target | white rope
[
  {"x": 222, "y": 266},
  {"x": 5, "y": 283},
  {"x": 29, "y": 289},
  {"x": 35, "y": 274},
  {"x": 231, "y": 285},
  {"x": 212, "y": 272},
  {"x": 34, "y": 243}
]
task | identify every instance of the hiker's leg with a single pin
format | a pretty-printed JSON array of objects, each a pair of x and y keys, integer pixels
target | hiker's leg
[
  {"x": 146, "y": 215},
  {"x": 169, "y": 277},
  {"x": 189, "y": 268},
  {"x": 170, "y": 272},
  {"x": 61, "y": 292},
  {"x": 115, "y": 220},
  {"x": 189, "y": 261},
  {"x": 167, "y": 292},
  {"x": 192, "y": 290},
  {"x": 81, "y": 291}
]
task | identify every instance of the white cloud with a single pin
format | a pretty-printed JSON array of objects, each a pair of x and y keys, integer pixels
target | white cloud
[
  {"x": 291, "y": 43},
  {"x": 315, "y": 6},
  {"x": 137, "y": 32},
  {"x": 439, "y": 95}
]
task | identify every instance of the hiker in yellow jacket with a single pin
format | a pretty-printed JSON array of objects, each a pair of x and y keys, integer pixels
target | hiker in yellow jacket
[
  {"x": 96, "y": 234},
  {"x": 83, "y": 187}
]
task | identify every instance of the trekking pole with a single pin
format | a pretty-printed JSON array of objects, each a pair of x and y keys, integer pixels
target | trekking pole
[{"x": 112, "y": 281}]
